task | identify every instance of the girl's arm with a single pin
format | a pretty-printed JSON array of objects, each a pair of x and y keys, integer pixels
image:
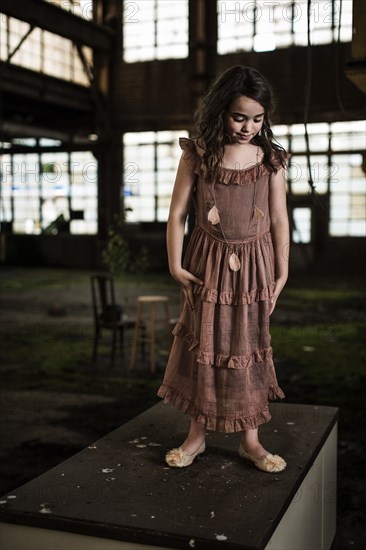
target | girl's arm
[
  {"x": 280, "y": 231},
  {"x": 179, "y": 209}
]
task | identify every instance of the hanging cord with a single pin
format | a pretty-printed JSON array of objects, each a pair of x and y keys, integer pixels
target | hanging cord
[
  {"x": 2, "y": 140},
  {"x": 309, "y": 71},
  {"x": 2, "y": 202},
  {"x": 337, "y": 59}
]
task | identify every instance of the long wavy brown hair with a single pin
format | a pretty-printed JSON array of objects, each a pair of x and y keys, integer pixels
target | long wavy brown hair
[{"x": 210, "y": 118}]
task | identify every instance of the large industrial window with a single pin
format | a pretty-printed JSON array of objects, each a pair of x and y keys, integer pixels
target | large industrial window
[
  {"x": 262, "y": 25},
  {"x": 48, "y": 193},
  {"x": 150, "y": 163},
  {"x": 155, "y": 29},
  {"x": 302, "y": 225},
  {"x": 41, "y": 51},
  {"x": 348, "y": 197},
  {"x": 336, "y": 158},
  {"x": 81, "y": 8}
]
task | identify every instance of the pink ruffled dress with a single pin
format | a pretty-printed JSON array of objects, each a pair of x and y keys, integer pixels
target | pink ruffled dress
[{"x": 220, "y": 369}]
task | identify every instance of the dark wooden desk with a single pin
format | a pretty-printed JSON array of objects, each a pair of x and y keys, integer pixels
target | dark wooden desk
[{"x": 118, "y": 492}]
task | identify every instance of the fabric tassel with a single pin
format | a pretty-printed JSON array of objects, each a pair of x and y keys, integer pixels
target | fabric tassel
[
  {"x": 258, "y": 213},
  {"x": 214, "y": 215},
  {"x": 234, "y": 262}
]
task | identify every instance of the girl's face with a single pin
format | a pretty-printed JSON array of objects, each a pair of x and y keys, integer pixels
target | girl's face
[{"x": 243, "y": 119}]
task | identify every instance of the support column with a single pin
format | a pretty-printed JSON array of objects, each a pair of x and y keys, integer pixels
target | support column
[
  {"x": 356, "y": 67},
  {"x": 202, "y": 46},
  {"x": 202, "y": 55},
  {"x": 109, "y": 149}
]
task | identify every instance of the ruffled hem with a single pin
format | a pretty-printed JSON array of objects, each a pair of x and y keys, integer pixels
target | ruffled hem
[
  {"x": 228, "y": 176},
  {"x": 191, "y": 155},
  {"x": 218, "y": 359},
  {"x": 233, "y": 298},
  {"x": 211, "y": 422},
  {"x": 183, "y": 332},
  {"x": 275, "y": 392},
  {"x": 241, "y": 177},
  {"x": 234, "y": 361}
]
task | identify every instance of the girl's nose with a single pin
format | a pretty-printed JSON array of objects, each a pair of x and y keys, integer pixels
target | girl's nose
[{"x": 246, "y": 126}]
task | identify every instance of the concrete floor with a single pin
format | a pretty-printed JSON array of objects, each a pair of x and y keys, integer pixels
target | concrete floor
[{"x": 40, "y": 429}]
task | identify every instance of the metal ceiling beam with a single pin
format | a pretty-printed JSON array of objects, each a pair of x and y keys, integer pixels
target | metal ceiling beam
[
  {"x": 23, "y": 82},
  {"x": 59, "y": 21},
  {"x": 63, "y": 148}
]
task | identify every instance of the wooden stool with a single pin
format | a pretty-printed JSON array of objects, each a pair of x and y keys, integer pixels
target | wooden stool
[{"x": 150, "y": 337}]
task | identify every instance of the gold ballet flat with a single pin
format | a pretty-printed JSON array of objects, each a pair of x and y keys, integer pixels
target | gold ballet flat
[
  {"x": 178, "y": 458},
  {"x": 267, "y": 463}
]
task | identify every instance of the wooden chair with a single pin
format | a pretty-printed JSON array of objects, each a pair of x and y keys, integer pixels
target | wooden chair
[{"x": 107, "y": 314}]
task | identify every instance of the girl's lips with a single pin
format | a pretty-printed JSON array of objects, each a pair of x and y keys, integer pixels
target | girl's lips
[{"x": 244, "y": 136}]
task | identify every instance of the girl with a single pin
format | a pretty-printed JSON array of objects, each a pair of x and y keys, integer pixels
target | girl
[{"x": 220, "y": 370}]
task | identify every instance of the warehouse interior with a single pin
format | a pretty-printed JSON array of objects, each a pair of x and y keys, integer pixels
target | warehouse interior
[{"x": 94, "y": 96}]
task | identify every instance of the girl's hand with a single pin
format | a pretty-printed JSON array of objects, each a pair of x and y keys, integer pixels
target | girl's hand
[
  {"x": 186, "y": 280},
  {"x": 280, "y": 283}
]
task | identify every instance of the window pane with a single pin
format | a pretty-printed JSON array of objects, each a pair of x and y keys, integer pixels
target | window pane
[
  {"x": 44, "y": 192},
  {"x": 340, "y": 173},
  {"x": 264, "y": 26},
  {"x": 299, "y": 173},
  {"x": 81, "y": 8},
  {"x": 155, "y": 29},
  {"x": 43, "y": 51},
  {"x": 348, "y": 199},
  {"x": 83, "y": 170},
  {"x": 151, "y": 161},
  {"x": 302, "y": 221}
]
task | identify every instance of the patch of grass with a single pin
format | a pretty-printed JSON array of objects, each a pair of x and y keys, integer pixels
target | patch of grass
[
  {"x": 324, "y": 365},
  {"x": 55, "y": 357},
  {"x": 321, "y": 295},
  {"x": 36, "y": 278},
  {"x": 328, "y": 300},
  {"x": 325, "y": 354}
]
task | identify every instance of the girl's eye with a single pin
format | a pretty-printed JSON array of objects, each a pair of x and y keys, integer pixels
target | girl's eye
[{"x": 240, "y": 119}]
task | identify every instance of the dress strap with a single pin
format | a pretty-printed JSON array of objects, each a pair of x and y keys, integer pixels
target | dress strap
[{"x": 190, "y": 154}]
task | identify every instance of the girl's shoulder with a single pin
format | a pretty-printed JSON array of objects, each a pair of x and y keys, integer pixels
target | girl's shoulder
[
  {"x": 279, "y": 159},
  {"x": 191, "y": 154},
  {"x": 192, "y": 146}
]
